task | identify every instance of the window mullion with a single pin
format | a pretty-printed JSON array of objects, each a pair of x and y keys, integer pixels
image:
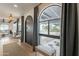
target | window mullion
[{"x": 48, "y": 27}]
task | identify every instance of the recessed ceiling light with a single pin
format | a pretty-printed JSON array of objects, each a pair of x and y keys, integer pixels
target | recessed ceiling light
[{"x": 15, "y": 6}]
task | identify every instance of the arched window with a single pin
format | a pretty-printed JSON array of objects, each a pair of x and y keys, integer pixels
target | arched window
[{"x": 50, "y": 23}]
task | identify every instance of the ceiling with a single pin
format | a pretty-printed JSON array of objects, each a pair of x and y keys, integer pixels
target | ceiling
[{"x": 8, "y": 8}]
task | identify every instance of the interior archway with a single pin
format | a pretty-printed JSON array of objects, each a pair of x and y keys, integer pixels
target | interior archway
[{"x": 29, "y": 30}]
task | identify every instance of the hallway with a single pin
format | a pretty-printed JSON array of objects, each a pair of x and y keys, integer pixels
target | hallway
[{"x": 33, "y": 31}]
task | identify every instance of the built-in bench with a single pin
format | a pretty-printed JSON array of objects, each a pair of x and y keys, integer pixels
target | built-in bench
[{"x": 50, "y": 49}]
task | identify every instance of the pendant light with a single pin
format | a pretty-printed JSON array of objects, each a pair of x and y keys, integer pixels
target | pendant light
[{"x": 10, "y": 18}]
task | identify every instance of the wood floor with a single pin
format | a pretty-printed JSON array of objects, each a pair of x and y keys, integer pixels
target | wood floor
[{"x": 25, "y": 47}]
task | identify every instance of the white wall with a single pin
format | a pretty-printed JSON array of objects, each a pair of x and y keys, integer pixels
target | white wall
[
  {"x": 42, "y": 6},
  {"x": 30, "y": 12}
]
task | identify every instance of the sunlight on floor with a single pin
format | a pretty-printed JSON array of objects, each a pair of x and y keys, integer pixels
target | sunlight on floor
[
  {"x": 4, "y": 41},
  {"x": 8, "y": 44}
]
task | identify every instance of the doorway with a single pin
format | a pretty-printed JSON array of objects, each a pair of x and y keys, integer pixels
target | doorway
[{"x": 29, "y": 30}]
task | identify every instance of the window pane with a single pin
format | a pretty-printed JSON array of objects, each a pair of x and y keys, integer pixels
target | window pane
[
  {"x": 54, "y": 27},
  {"x": 47, "y": 44},
  {"x": 52, "y": 12},
  {"x": 4, "y": 27},
  {"x": 45, "y": 40},
  {"x": 44, "y": 27}
]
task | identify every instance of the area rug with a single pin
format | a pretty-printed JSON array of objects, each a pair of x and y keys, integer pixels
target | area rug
[{"x": 13, "y": 49}]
